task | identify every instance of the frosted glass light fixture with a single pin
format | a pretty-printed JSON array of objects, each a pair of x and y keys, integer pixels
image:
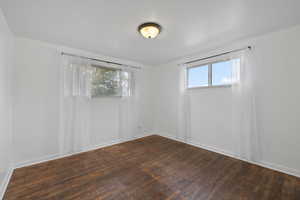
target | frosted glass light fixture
[{"x": 149, "y": 30}]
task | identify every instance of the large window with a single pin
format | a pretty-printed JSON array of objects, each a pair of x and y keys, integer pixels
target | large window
[{"x": 220, "y": 73}]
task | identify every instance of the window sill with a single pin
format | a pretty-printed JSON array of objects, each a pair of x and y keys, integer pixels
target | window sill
[{"x": 211, "y": 86}]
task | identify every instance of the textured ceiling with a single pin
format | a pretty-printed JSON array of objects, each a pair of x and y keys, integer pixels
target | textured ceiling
[{"x": 109, "y": 27}]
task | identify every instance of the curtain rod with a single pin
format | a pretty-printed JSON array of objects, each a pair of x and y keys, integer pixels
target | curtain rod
[
  {"x": 98, "y": 60},
  {"x": 221, "y": 54}
]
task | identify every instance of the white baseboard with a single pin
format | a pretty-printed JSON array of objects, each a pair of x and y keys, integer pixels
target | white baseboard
[
  {"x": 91, "y": 148},
  {"x": 279, "y": 168},
  {"x": 286, "y": 170},
  {"x": 4, "y": 185}
]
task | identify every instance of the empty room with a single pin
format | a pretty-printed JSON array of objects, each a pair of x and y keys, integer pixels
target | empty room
[{"x": 150, "y": 100}]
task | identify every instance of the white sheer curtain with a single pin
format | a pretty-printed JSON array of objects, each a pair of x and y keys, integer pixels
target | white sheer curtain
[
  {"x": 77, "y": 102},
  {"x": 244, "y": 128},
  {"x": 244, "y": 120},
  {"x": 128, "y": 106},
  {"x": 184, "y": 108},
  {"x": 75, "y": 105}
]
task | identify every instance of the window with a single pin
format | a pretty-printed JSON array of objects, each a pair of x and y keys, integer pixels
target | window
[
  {"x": 110, "y": 82},
  {"x": 220, "y": 73}
]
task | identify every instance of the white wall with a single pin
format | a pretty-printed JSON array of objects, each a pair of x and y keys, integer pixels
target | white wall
[
  {"x": 6, "y": 61},
  {"x": 277, "y": 94},
  {"x": 210, "y": 118},
  {"x": 36, "y": 134}
]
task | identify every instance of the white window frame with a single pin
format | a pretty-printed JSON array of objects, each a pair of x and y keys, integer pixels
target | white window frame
[{"x": 209, "y": 64}]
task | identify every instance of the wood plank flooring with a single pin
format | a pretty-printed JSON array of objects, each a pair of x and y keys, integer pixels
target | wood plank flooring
[{"x": 151, "y": 168}]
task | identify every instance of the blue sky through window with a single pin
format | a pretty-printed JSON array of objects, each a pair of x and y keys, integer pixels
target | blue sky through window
[
  {"x": 222, "y": 73},
  {"x": 198, "y": 76}
]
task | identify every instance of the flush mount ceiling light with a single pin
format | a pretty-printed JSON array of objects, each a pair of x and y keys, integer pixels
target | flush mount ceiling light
[{"x": 149, "y": 30}]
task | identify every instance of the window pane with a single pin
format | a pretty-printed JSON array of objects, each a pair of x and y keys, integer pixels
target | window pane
[
  {"x": 106, "y": 82},
  {"x": 222, "y": 72},
  {"x": 198, "y": 76}
]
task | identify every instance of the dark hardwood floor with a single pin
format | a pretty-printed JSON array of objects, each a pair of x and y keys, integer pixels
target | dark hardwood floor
[{"x": 151, "y": 168}]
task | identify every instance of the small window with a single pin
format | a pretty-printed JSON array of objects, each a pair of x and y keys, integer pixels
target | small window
[
  {"x": 109, "y": 82},
  {"x": 221, "y": 73}
]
